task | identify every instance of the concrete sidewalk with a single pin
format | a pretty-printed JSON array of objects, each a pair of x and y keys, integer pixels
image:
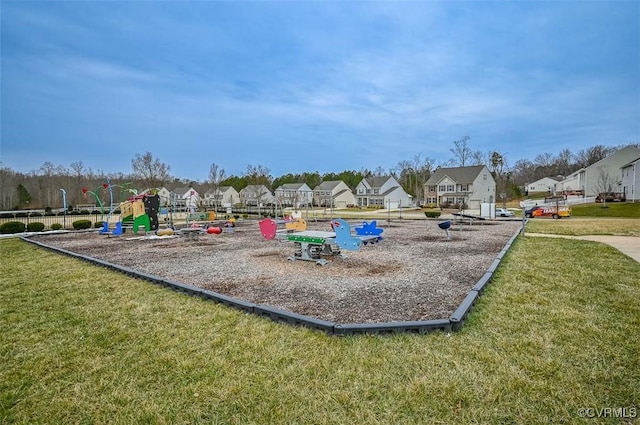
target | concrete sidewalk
[{"x": 628, "y": 245}]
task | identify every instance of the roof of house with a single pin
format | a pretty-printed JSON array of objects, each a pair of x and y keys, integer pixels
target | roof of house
[
  {"x": 377, "y": 181},
  {"x": 328, "y": 185},
  {"x": 457, "y": 174},
  {"x": 631, "y": 163},
  {"x": 291, "y": 186}
]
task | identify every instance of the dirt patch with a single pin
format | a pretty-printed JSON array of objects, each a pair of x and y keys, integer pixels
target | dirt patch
[{"x": 415, "y": 273}]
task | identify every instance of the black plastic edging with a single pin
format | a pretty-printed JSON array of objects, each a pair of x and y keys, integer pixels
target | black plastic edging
[{"x": 418, "y": 327}]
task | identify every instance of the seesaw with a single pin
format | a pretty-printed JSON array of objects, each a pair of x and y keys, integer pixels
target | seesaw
[
  {"x": 272, "y": 229},
  {"x": 310, "y": 245}
]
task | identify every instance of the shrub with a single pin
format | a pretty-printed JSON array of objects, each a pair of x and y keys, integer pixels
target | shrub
[
  {"x": 47, "y": 209},
  {"x": 81, "y": 224},
  {"x": 85, "y": 212},
  {"x": 35, "y": 227},
  {"x": 96, "y": 212},
  {"x": 432, "y": 214},
  {"x": 98, "y": 224},
  {"x": 35, "y": 214},
  {"x": 6, "y": 215},
  {"x": 50, "y": 214},
  {"x": 56, "y": 226},
  {"x": 12, "y": 227},
  {"x": 22, "y": 214},
  {"x": 245, "y": 216}
]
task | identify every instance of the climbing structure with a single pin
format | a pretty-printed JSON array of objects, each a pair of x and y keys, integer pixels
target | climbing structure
[{"x": 140, "y": 210}]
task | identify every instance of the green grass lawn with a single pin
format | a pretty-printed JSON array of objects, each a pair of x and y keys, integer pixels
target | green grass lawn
[
  {"x": 556, "y": 331},
  {"x": 580, "y": 226},
  {"x": 611, "y": 209}
]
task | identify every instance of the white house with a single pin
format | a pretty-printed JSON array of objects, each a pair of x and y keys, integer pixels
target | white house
[
  {"x": 383, "y": 192},
  {"x": 165, "y": 197},
  {"x": 631, "y": 180},
  {"x": 221, "y": 196},
  {"x": 184, "y": 198},
  {"x": 294, "y": 195},
  {"x": 334, "y": 193},
  {"x": 604, "y": 175},
  {"x": 256, "y": 195},
  {"x": 472, "y": 185},
  {"x": 545, "y": 184}
]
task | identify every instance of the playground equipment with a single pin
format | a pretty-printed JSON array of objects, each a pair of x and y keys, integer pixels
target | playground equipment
[
  {"x": 445, "y": 225},
  {"x": 369, "y": 229},
  {"x": 138, "y": 211},
  {"x": 271, "y": 229},
  {"x": 310, "y": 245}
]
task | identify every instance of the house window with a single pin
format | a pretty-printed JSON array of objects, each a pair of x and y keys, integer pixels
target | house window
[
  {"x": 464, "y": 187},
  {"x": 450, "y": 188},
  {"x": 484, "y": 176},
  {"x": 442, "y": 188}
]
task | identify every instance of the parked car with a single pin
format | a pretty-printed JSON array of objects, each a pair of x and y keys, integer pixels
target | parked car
[{"x": 503, "y": 212}]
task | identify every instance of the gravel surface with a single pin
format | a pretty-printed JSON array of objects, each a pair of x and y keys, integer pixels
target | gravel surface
[{"x": 414, "y": 273}]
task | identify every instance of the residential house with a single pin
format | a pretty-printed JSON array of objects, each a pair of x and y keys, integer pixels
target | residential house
[
  {"x": 631, "y": 180},
  {"x": 383, "y": 192},
  {"x": 222, "y": 196},
  {"x": 333, "y": 193},
  {"x": 256, "y": 195},
  {"x": 165, "y": 197},
  {"x": 472, "y": 185},
  {"x": 601, "y": 176},
  {"x": 545, "y": 184},
  {"x": 184, "y": 199},
  {"x": 294, "y": 195}
]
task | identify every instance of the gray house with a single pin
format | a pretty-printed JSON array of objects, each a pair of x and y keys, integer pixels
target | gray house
[
  {"x": 601, "y": 176},
  {"x": 383, "y": 192},
  {"x": 631, "y": 180},
  {"x": 221, "y": 196},
  {"x": 459, "y": 185},
  {"x": 334, "y": 193},
  {"x": 294, "y": 195},
  {"x": 256, "y": 195}
]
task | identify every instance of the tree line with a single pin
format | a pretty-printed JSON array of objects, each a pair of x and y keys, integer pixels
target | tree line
[{"x": 44, "y": 187}]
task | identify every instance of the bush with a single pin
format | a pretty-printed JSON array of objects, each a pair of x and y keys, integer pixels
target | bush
[
  {"x": 12, "y": 227},
  {"x": 432, "y": 214},
  {"x": 7, "y": 215},
  {"x": 22, "y": 214},
  {"x": 35, "y": 227},
  {"x": 84, "y": 212},
  {"x": 56, "y": 226},
  {"x": 36, "y": 214},
  {"x": 81, "y": 224},
  {"x": 98, "y": 224}
]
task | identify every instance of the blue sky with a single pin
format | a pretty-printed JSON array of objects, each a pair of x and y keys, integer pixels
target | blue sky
[{"x": 299, "y": 86}]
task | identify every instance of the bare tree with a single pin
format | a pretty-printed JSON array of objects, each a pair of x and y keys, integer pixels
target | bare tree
[
  {"x": 461, "y": 151},
  {"x": 605, "y": 184},
  {"x": 150, "y": 170},
  {"x": 216, "y": 175},
  {"x": 586, "y": 157},
  {"x": 258, "y": 175}
]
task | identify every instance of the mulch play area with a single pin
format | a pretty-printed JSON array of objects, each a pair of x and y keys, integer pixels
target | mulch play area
[{"x": 415, "y": 273}]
